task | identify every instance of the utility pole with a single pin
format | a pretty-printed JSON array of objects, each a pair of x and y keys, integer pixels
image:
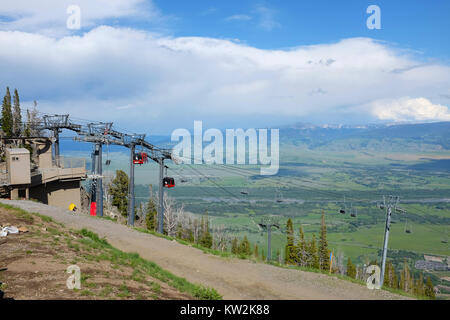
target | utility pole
[
  {"x": 390, "y": 205},
  {"x": 268, "y": 226},
  {"x": 99, "y": 170},
  {"x": 161, "y": 195},
  {"x": 56, "y": 132},
  {"x": 97, "y": 181},
  {"x": 131, "y": 188}
]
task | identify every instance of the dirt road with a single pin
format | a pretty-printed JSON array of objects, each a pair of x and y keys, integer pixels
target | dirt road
[{"x": 233, "y": 278}]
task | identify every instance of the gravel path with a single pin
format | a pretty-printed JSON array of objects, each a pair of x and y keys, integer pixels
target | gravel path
[{"x": 233, "y": 278}]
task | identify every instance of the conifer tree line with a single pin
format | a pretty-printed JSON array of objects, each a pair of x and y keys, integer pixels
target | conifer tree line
[
  {"x": 405, "y": 281},
  {"x": 311, "y": 254},
  {"x": 12, "y": 125}
]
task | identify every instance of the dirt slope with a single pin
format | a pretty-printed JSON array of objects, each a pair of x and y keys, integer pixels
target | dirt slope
[
  {"x": 233, "y": 278},
  {"x": 33, "y": 265}
]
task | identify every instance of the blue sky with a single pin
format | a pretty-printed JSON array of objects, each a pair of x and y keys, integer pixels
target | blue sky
[
  {"x": 419, "y": 25},
  {"x": 163, "y": 64}
]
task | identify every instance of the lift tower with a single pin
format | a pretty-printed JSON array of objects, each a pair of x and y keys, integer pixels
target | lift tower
[
  {"x": 267, "y": 225},
  {"x": 102, "y": 133},
  {"x": 389, "y": 204},
  {"x": 97, "y": 133},
  {"x": 56, "y": 123}
]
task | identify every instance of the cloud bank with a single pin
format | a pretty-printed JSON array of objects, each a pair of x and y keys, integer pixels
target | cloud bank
[
  {"x": 50, "y": 16},
  {"x": 152, "y": 82},
  {"x": 407, "y": 109}
]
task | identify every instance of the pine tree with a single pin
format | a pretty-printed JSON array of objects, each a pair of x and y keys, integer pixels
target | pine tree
[
  {"x": 419, "y": 286},
  {"x": 401, "y": 283},
  {"x": 190, "y": 237},
  {"x": 394, "y": 279},
  {"x": 289, "y": 252},
  {"x": 180, "y": 231},
  {"x": 324, "y": 253},
  {"x": 17, "y": 116},
  {"x": 119, "y": 192},
  {"x": 244, "y": 247},
  {"x": 386, "y": 275},
  {"x": 256, "y": 251},
  {"x": 201, "y": 230},
  {"x": 235, "y": 246},
  {"x": 7, "y": 118},
  {"x": 27, "y": 129},
  {"x": 314, "y": 254},
  {"x": 301, "y": 249},
  {"x": 351, "y": 269},
  {"x": 206, "y": 239},
  {"x": 405, "y": 277},
  {"x": 196, "y": 231},
  {"x": 263, "y": 256},
  {"x": 429, "y": 289},
  {"x": 390, "y": 277},
  {"x": 411, "y": 283},
  {"x": 33, "y": 120},
  {"x": 151, "y": 215}
]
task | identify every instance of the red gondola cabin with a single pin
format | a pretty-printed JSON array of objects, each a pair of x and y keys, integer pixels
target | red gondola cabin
[
  {"x": 168, "y": 182},
  {"x": 140, "y": 158}
]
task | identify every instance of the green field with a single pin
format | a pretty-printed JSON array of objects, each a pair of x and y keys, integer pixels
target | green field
[{"x": 317, "y": 184}]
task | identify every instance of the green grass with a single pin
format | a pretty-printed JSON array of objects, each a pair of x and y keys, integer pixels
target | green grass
[
  {"x": 135, "y": 261},
  {"x": 19, "y": 212},
  {"x": 28, "y": 216}
]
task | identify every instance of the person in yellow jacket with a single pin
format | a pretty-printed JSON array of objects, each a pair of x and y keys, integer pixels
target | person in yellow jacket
[{"x": 72, "y": 207}]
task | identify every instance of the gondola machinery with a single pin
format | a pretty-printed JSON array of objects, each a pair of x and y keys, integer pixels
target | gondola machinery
[
  {"x": 279, "y": 196},
  {"x": 343, "y": 208},
  {"x": 140, "y": 158},
  {"x": 354, "y": 212},
  {"x": 168, "y": 182}
]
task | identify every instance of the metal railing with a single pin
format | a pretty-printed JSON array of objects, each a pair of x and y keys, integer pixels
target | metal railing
[{"x": 69, "y": 162}]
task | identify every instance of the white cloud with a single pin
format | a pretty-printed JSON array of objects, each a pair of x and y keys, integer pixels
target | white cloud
[
  {"x": 151, "y": 82},
  {"x": 410, "y": 109},
  {"x": 49, "y": 16},
  {"x": 267, "y": 17},
  {"x": 239, "y": 17}
]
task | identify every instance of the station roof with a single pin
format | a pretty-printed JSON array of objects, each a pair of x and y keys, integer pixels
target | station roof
[{"x": 17, "y": 151}]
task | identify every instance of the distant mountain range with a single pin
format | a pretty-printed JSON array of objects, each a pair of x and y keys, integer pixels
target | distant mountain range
[
  {"x": 424, "y": 135},
  {"x": 391, "y": 137}
]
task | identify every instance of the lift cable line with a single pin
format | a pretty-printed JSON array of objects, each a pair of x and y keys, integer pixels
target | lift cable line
[
  {"x": 305, "y": 187},
  {"x": 353, "y": 211},
  {"x": 245, "y": 172},
  {"x": 214, "y": 195}
]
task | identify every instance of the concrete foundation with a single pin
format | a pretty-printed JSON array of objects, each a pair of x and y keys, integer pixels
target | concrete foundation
[{"x": 58, "y": 193}]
